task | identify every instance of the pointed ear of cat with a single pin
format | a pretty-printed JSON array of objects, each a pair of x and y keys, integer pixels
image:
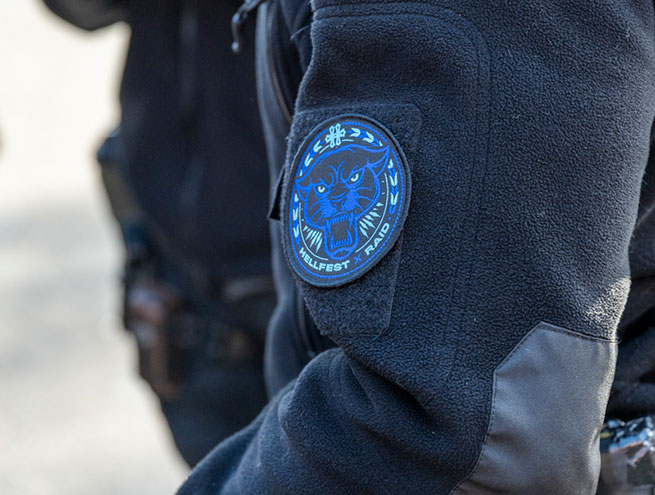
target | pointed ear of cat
[
  {"x": 377, "y": 159},
  {"x": 303, "y": 186}
]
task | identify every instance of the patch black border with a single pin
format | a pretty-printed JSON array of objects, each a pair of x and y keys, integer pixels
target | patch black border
[{"x": 391, "y": 238}]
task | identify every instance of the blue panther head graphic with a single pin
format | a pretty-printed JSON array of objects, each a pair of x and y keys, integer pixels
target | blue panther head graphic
[{"x": 340, "y": 187}]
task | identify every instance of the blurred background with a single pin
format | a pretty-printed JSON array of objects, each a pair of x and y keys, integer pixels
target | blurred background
[{"x": 74, "y": 416}]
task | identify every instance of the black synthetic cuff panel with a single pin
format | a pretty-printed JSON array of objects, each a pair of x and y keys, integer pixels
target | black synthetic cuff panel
[{"x": 548, "y": 402}]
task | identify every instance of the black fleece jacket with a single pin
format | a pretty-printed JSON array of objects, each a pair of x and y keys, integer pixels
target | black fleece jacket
[{"x": 477, "y": 355}]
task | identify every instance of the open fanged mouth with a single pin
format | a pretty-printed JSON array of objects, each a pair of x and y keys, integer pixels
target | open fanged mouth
[{"x": 340, "y": 232}]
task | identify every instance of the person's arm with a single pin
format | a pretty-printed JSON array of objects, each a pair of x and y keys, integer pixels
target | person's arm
[
  {"x": 89, "y": 14},
  {"x": 477, "y": 354}
]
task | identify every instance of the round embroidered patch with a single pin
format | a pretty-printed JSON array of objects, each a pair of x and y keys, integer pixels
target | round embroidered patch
[{"x": 346, "y": 202}]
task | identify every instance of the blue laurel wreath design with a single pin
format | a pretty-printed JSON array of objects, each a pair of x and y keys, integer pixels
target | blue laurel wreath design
[{"x": 393, "y": 190}]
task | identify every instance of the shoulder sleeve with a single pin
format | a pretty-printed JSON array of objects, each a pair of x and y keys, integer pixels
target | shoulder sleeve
[
  {"x": 477, "y": 346},
  {"x": 89, "y": 14}
]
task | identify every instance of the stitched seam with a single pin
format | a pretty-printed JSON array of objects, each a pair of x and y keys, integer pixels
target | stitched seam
[
  {"x": 474, "y": 229},
  {"x": 581, "y": 335},
  {"x": 492, "y": 412},
  {"x": 381, "y": 5},
  {"x": 485, "y": 444}
]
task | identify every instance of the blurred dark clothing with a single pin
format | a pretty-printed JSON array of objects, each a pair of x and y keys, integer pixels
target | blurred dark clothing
[
  {"x": 200, "y": 172},
  {"x": 192, "y": 157},
  {"x": 200, "y": 347},
  {"x": 193, "y": 142},
  {"x": 89, "y": 14}
]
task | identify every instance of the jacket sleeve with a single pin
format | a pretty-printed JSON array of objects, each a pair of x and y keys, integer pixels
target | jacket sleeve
[
  {"x": 89, "y": 14},
  {"x": 476, "y": 357}
]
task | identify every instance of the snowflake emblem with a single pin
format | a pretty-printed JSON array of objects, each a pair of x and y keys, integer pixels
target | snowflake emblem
[{"x": 335, "y": 134}]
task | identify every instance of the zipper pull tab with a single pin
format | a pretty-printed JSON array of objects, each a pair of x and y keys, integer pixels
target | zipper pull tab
[{"x": 239, "y": 20}]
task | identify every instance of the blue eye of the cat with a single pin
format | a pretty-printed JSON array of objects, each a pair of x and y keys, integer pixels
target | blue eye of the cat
[
  {"x": 320, "y": 189},
  {"x": 354, "y": 177}
]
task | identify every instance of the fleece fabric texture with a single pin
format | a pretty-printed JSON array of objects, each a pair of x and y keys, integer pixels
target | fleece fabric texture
[{"x": 527, "y": 130}]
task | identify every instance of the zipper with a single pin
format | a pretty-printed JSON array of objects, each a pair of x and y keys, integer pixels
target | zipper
[{"x": 272, "y": 67}]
